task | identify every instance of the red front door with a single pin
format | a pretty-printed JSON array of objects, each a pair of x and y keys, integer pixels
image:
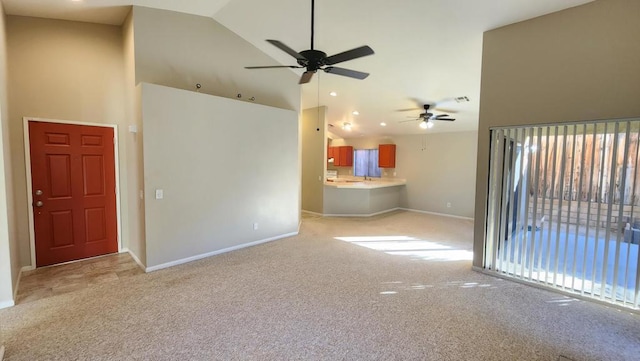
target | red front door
[{"x": 74, "y": 192}]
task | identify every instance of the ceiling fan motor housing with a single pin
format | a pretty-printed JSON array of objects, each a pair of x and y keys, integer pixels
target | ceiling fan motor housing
[{"x": 313, "y": 59}]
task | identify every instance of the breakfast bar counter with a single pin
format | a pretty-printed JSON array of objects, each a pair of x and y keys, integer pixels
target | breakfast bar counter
[{"x": 362, "y": 198}]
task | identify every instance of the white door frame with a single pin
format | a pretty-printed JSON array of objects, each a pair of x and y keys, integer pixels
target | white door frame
[{"x": 27, "y": 160}]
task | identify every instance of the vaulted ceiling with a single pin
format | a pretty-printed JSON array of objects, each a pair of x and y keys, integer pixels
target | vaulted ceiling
[{"x": 426, "y": 51}]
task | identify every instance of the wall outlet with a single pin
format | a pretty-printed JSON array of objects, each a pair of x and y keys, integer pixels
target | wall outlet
[
  {"x": 448, "y": 204},
  {"x": 255, "y": 226},
  {"x": 159, "y": 193}
]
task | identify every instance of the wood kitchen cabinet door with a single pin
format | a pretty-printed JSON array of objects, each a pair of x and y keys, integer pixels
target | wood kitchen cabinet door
[
  {"x": 336, "y": 156},
  {"x": 346, "y": 156},
  {"x": 387, "y": 156}
]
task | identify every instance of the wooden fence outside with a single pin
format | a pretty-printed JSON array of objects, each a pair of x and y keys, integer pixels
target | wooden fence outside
[{"x": 588, "y": 165}]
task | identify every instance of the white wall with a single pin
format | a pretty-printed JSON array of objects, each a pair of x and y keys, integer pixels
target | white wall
[
  {"x": 61, "y": 70},
  {"x": 439, "y": 169},
  {"x": 223, "y": 165},
  {"x": 582, "y": 63}
]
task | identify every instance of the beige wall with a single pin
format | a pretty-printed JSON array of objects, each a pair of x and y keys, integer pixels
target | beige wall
[
  {"x": 133, "y": 142},
  {"x": 223, "y": 165},
  {"x": 578, "y": 64},
  {"x": 180, "y": 50},
  {"x": 61, "y": 70},
  {"x": 439, "y": 169},
  {"x": 314, "y": 144},
  {"x": 9, "y": 265}
]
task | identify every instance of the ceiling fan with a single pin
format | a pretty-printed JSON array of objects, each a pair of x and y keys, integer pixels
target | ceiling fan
[
  {"x": 426, "y": 119},
  {"x": 314, "y": 60}
]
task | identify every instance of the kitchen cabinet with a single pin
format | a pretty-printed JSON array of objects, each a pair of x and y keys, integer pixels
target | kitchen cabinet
[
  {"x": 342, "y": 155},
  {"x": 345, "y": 157},
  {"x": 331, "y": 152},
  {"x": 387, "y": 156}
]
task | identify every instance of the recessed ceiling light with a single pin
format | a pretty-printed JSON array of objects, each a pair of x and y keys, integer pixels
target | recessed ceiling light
[
  {"x": 346, "y": 126},
  {"x": 333, "y": 94},
  {"x": 355, "y": 112},
  {"x": 383, "y": 124}
]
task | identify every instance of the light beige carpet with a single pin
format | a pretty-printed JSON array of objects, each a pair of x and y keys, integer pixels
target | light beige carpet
[{"x": 314, "y": 297}]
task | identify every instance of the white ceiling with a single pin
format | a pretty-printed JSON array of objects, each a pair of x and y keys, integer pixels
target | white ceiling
[{"x": 425, "y": 50}]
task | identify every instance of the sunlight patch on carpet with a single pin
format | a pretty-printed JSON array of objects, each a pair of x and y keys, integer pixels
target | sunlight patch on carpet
[{"x": 410, "y": 247}]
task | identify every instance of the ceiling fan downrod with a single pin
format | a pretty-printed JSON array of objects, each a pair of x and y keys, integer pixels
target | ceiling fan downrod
[{"x": 312, "y": 20}]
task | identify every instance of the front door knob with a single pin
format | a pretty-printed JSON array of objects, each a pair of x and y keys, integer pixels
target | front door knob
[
  {"x": 39, "y": 204},
  {"x": 39, "y": 192}
]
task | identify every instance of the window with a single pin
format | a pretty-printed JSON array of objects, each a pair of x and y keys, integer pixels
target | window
[{"x": 365, "y": 163}]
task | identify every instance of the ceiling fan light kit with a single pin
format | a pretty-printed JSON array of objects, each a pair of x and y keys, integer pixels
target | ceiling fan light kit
[{"x": 313, "y": 60}]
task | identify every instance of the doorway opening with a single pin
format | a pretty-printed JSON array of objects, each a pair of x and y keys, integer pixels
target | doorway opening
[{"x": 564, "y": 208}]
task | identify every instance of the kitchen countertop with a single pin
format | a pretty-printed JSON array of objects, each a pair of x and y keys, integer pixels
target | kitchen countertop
[{"x": 362, "y": 184}]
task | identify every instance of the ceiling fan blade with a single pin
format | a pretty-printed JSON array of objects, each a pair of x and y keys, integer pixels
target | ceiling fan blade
[
  {"x": 446, "y": 119},
  {"x": 286, "y": 49},
  {"x": 273, "y": 66},
  {"x": 349, "y": 55},
  {"x": 306, "y": 77},
  {"x": 439, "y": 116},
  {"x": 410, "y": 120},
  {"x": 445, "y": 110},
  {"x": 346, "y": 72}
]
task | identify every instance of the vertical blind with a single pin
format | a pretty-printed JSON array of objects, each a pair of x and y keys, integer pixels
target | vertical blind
[
  {"x": 563, "y": 208},
  {"x": 365, "y": 163}
]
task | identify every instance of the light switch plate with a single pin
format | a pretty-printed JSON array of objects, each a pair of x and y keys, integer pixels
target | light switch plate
[{"x": 159, "y": 194}]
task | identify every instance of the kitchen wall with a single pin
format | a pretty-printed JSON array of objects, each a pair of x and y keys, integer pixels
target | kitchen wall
[
  {"x": 61, "y": 70},
  {"x": 439, "y": 169},
  {"x": 9, "y": 265},
  {"x": 578, "y": 64},
  {"x": 223, "y": 165},
  {"x": 314, "y": 155}
]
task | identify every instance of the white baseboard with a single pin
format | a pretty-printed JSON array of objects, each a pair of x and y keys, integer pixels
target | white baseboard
[
  {"x": 6, "y": 304},
  {"x": 15, "y": 290},
  {"x": 437, "y": 214},
  {"x": 224, "y": 250},
  {"x": 361, "y": 215},
  {"x": 312, "y": 213}
]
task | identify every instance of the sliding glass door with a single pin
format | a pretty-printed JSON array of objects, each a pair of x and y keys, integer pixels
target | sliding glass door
[{"x": 563, "y": 208}]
